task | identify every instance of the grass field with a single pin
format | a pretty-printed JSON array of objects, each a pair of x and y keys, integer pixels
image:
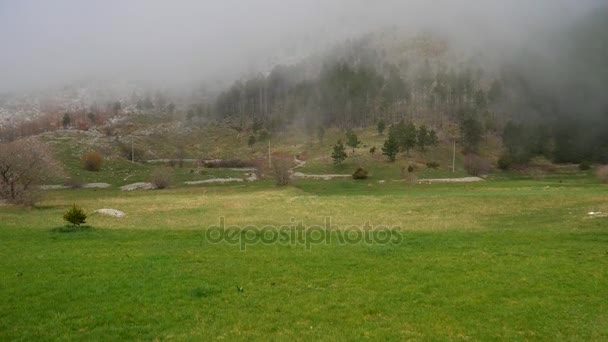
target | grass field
[{"x": 503, "y": 259}]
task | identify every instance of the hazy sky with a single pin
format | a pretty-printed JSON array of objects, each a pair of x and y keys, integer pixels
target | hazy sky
[{"x": 51, "y": 42}]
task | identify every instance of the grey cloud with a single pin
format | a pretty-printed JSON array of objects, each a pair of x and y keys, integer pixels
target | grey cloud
[{"x": 48, "y": 43}]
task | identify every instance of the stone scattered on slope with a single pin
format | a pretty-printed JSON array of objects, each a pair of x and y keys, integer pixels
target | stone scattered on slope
[
  {"x": 318, "y": 177},
  {"x": 138, "y": 186},
  {"x": 251, "y": 177},
  {"x": 111, "y": 212},
  {"x": 53, "y": 187},
  {"x": 452, "y": 180},
  {"x": 216, "y": 180},
  {"x": 96, "y": 186}
]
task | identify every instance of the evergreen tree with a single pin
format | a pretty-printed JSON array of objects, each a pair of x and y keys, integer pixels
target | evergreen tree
[
  {"x": 408, "y": 137},
  {"x": 251, "y": 140},
  {"x": 352, "y": 140},
  {"x": 433, "y": 140},
  {"x": 339, "y": 154},
  {"x": 391, "y": 147},
  {"x": 471, "y": 133},
  {"x": 422, "y": 137},
  {"x": 66, "y": 120},
  {"x": 381, "y": 127}
]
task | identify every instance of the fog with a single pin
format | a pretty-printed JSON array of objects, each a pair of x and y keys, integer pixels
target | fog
[{"x": 173, "y": 43}]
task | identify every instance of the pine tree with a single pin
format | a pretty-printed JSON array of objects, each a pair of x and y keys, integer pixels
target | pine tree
[
  {"x": 339, "y": 154},
  {"x": 408, "y": 136},
  {"x": 76, "y": 216},
  {"x": 422, "y": 137},
  {"x": 381, "y": 127},
  {"x": 433, "y": 140},
  {"x": 471, "y": 132},
  {"x": 66, "y": 120},
  {"x": 251, "y": 140},
  {"x": 351, "y": 139},
  {"x": 390, "y": 148}
]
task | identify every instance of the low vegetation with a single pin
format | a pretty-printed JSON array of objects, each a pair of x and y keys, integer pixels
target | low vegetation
[
  {"x": 75, "y": 216},
  {"x": 602, "y": 173},
  {"x": 92, "y": 161},
  {"x": 360, "y": 174},
  {"x": 281, "y": 172},
  {"x": 162, "y": 177},
  {"x": 512, "y": 259},
  {"x": 476, "y": 165},
  {"x": 24, "y": 165}
]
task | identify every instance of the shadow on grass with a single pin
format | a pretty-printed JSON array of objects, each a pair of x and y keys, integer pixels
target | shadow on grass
[
  {"x": 204, "y": 290},
  {"x": 72, "y": 229}
]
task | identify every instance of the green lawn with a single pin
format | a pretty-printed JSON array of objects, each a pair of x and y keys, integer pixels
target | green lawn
[{"x": 503, "y": 259}]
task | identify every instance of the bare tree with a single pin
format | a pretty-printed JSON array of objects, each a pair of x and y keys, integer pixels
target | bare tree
[{"x": 24, "y": 164}]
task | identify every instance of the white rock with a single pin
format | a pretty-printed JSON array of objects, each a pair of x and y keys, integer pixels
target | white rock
[
  {"x": 318, "y": 177},
  {"x": 452, "y": 180},
  {"x": 215, "y": 180},
  {"x": 96, "y": 186},
  {"x": 138, "y": 186},
  {"x": 111, "y": 212},
  {"x": 251, "y": 177},
  {"x": 53, "y": 187}
]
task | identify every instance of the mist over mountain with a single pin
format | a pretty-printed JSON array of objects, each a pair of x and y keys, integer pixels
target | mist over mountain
[
  {"x": 533, "y": 73},
  {"x": 187, "y": 42}
]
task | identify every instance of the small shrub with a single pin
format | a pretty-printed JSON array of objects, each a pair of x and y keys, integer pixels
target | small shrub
[
  {"x": 432, "y": 165},
  {"x": 602, "y": 173},
  {"x": 584, "y": 166},
  {"x": 372, "y": 150},
  {"x": 92, "y": 161},
  {"x": 410, "y": 169},
  {"x": 162, "y": 178},
  {"x": 75, "y": 216},
  {"x": 476, "y": 166},
  {"x": 505, "y": 162},
  {"x": 131, "y": 152},
  {"x": 251, "y": 140},
  {"x": 281, "y": 172},
  {"x": 360, "y": 173}
]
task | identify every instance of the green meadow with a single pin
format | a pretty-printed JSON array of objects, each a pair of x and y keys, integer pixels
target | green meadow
[{"x": 502, "y": 259}]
